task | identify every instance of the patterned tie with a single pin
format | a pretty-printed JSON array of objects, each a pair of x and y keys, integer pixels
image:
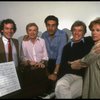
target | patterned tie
[{"x": 9, "y": 51}]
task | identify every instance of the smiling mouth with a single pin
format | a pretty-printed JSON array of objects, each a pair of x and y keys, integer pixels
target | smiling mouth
[
  {"x": 94, "y": 36},
  {"x": 77, "y": 36}
]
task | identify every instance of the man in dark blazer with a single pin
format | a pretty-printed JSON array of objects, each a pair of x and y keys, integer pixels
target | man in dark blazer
[{"x": 8, "y": 28}]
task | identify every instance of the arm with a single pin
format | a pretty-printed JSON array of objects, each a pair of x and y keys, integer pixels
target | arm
[
  {"x": 60, "y": 50},
  {"x": 86, "y": 60},
  {"x": 45, "y": 55},
  {"x": 77, "y": 64},
  {"x": 63, "y": 41},
  {"x": 91, "y": 57},
  {"x": 44, "y": 60},
  {"x": 23, "y": 51}
]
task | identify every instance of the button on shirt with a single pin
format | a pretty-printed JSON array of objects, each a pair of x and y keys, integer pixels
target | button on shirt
[
  {"x": 55, "y": 45},
  {"x": 34, "y": 52}
]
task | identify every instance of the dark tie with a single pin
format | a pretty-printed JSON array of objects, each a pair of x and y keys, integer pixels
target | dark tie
[{"x": 9, "y": 51}]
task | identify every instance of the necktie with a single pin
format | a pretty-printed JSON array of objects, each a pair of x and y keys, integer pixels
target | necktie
[{"x": 9, "y": 51}]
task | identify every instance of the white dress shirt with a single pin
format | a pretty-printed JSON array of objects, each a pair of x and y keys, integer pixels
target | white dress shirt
[{"x": 14, "y": 52}]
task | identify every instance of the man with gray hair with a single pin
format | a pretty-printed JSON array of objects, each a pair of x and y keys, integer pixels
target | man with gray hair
[{"x": 70, "y": 85}]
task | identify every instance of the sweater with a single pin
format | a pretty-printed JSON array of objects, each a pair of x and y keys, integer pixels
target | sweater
[{"x": 74, "y": 52}]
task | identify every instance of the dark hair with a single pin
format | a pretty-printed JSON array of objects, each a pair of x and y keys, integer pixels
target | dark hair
[
  {"x": 6, "y": 21},
  {"x": 51, "y": 17},
  {"x": 92, "y": 23},
  {"x": 31, "y": 24},
  {"x": 79, "y": 23}
]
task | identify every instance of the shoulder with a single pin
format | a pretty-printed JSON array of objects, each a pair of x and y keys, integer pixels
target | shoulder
[
  {"x": 88, "y": 39},
  {"x": 61, "y": 35},
  {"x": 44, "y": 33},
  {"x": 68, "y": 45},
  {"x": 25, "y": 42},
  {"x": 41, "y": 39},
  {"x": 61, "y": 32},
  {"x": 25, "y": 38},
  {"x": 15, "y": 40}
]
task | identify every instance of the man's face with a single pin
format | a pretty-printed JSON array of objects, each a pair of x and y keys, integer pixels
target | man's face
[
  {"x": 32, "y": 32},
  {"x": 8, "y": 30},
  {"x": 78, "y": 33},
  {"x": 51, "y": 27}
]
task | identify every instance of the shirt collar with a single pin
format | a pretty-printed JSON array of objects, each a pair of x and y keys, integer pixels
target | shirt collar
[
  {"x": 37, "y": 39},
  {"x": 5, "y": 40},
  {"x": 72, "y": 42},
  {"x": 56, "y": 33}
]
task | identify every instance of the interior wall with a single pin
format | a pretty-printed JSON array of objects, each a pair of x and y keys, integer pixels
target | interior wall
[{"x": 67, "y": 12}]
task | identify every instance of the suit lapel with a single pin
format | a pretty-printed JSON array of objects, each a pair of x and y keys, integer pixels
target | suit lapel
[
  {"x": 2, "y": 52},
  {"x": 17, "y": 47}
]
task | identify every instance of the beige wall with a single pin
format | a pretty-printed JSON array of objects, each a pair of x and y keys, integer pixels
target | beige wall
[{"x": 67, "y": 12}]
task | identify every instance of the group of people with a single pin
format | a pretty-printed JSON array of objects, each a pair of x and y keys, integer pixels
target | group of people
[{"x": 70, "y": 68}]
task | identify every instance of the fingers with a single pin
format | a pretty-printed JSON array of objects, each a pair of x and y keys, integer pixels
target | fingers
[
  {"x": 39, "y": 65},
  {"x": 70, "y": 62},
  {"x": 36, "y": 65},
  {"x": 75, "y": 64},
  {"x": 32, "y": 63}
]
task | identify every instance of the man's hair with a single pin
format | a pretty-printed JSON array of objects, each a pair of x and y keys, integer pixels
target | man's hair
[
  {"x": 29, "y": 25},
  {"x": 7, "y": 21},
  {"x": 51, "y": 17},
  {"x": 92, "y": 23},
  {"x": 79, "y": 23}
]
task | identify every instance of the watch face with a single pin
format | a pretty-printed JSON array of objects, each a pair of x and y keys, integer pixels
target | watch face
[{"x": 55, "y": 72}]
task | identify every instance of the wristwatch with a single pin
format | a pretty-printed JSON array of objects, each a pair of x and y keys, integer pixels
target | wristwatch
[{"x": 55, "y": 73}]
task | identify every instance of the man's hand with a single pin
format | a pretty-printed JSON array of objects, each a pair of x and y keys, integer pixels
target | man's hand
[
  {"x": 39, "y": 65},
  {"x": 52, "y": 77},
  {"x": 75, "y": 64}
]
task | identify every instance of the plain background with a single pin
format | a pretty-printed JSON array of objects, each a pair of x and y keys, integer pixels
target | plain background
[{"x": 35, "y": 11}]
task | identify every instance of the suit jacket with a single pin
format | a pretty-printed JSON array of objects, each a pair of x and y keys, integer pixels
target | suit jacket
[{"x": 2, "y": 50}]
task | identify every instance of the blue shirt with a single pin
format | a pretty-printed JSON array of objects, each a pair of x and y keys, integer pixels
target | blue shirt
[{"x": 55, "y": 45}]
